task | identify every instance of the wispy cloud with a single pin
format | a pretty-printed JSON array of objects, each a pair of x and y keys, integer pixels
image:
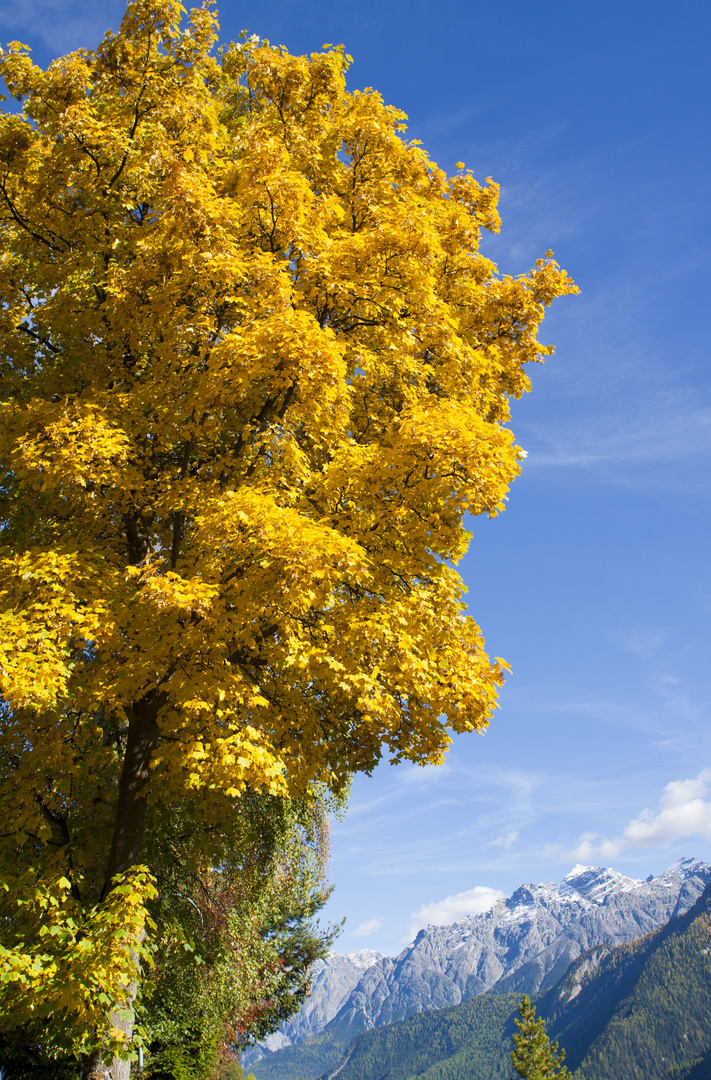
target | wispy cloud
[
  {"x": 422, "y": 775},
  {"x": 506, "y": 841},
  {"x": 367, "y": 928},
  {"x": 455, "y": 908},
  {"x": 641, "y": 641},
  {"x": 408, "y": 802},
  {"x": 671, "y": 435},
  {"x": 683, "y": 811}
]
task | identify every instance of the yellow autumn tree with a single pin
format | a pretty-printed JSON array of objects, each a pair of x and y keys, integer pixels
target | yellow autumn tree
[{"x": 254, "y": 373}]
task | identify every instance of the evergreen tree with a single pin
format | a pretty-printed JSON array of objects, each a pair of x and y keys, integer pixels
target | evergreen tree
[{"x": 534, "y": 1056}]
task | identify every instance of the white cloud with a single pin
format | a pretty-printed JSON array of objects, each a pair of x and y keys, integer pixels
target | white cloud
[
  {"x": 683, "y": 811},
  {"x": 367, "y": 928},
  {"x": 506, "y": 841},
  {"x": 421, "y": 775},
  {"x": 455, "y": 908}
]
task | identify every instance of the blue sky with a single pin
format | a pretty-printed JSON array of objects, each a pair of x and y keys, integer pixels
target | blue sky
[{"x": 595, "y": 584}]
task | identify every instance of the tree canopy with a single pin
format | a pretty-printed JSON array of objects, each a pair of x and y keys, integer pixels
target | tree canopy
[
  {"x": 254, "y": 372},
  {"x": 534, "y": 1056}
]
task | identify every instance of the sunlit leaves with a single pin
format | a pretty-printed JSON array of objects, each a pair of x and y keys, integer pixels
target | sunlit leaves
[{"x": 73, "y": 967}]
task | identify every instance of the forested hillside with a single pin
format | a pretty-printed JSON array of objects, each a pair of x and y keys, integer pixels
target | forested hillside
[
  {"x": 471, "y": 1040},
  {"x": 641, "y": 1009}
]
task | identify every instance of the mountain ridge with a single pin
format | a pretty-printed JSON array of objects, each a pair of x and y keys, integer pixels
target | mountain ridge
[
  {"x": 524, "y": 943},
  {"x": 635, "y": 1011}
]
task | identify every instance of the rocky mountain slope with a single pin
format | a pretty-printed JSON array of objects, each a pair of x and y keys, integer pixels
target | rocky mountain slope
[
  {"x": 332, "y": 981},
  {"x": 640, "y": 1010},
  {"x": 525, "y": 943}
]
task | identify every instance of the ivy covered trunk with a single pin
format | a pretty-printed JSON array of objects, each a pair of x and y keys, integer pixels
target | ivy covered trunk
[{"x": 127, "y": 849}]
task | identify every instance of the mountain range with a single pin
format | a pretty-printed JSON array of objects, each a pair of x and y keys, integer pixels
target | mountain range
[
  {"x": 638, "y": 1011},
  {"x": 524, "y": 943}
]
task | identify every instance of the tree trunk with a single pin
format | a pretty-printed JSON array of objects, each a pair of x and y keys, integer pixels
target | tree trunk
[
  {"x": 121, "y": 1070},
  {"x": 91, "y": 1067},
  {"x": 127, "y": 843},
  {"x": 130, "y": 824}
]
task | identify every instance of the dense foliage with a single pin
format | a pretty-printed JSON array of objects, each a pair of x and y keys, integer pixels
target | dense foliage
[
  {"x": 233, "y": 948},
  {"x": 236, "y": 945}
]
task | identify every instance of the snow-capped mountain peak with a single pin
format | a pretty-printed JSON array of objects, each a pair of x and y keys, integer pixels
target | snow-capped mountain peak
[
  {"x": 686, "y": 868},
  {"x": 595, "y": 883},
  {"x": 362, "y": 959}
]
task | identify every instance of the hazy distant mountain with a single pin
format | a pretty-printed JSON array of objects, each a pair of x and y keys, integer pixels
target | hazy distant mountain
[
  {"x": 332, "y": 981},
  {"x": 525, "y": 943}
]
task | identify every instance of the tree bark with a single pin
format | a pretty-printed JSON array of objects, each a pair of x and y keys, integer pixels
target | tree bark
[
  {"x": 127, "y": 843},
  {"x": 130, "y": 824},
  {"x": 91, "y": 1067}
]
